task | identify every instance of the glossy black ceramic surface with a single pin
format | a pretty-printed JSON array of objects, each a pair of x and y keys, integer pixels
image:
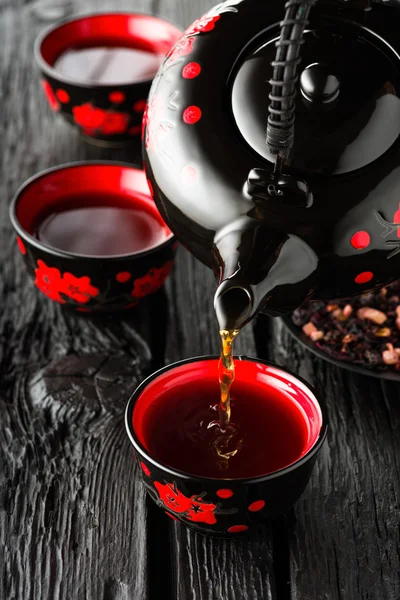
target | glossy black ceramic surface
[{"x": 282, "y": 240}]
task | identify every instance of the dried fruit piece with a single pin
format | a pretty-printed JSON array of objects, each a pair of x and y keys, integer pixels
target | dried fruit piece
[
  {"x": 331, "y": 307},
  {"x": 316, "y": 335},
  {"x": 371, "y": 314},
  {"x": 348, "y": 309},
  {"x": 309, "y": 328},
  {"x": 339, "y": 315},
  {"x": 348, "y": 338},
  {"x": 383, "y": 332},
  {"x": 390, "y": 356}
]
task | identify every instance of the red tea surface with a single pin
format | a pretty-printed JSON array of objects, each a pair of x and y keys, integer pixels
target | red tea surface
[
  {"x": 267, "y": 431},
  {"x": 104, "y": 229},
  {"x": 108, "y": 65}
]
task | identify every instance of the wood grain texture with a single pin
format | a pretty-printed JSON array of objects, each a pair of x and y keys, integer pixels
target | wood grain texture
[
  {"x": 72, "y": 516},
  {"x": 343, "y": 535},
  {"x": 74, "y": 521}
]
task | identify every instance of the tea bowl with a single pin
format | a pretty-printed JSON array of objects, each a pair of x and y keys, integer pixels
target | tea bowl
[
  {"x": 106, "y": 114},
  {"x": 90, "y": 283},
  {"x": 220, "y": 507}
]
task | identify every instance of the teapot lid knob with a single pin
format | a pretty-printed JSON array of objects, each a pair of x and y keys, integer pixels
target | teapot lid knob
[{"x": 318, "y": 85}]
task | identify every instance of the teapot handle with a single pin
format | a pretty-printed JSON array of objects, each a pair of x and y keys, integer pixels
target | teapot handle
[{"x": 280, "y": 127}]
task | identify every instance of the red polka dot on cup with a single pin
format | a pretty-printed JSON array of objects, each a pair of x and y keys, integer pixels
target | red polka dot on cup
[
  {"x": 257, "y": 505},
  {"x": 139, "y": 106},
  {"x": 62, "y": 96},
  {"x": 123, "y": 276},
  {"x": 225, "y": 493},
  {"x": 237, "y": 528},
  {"x": 364, "y": 277},
  {"x": 116, "y": 97}
]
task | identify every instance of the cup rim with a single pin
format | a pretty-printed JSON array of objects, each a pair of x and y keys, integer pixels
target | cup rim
[
  {"x": 52, "y": 72},
  {"x": 25, "y": 235},
  {"x": 243, "y": 480}
]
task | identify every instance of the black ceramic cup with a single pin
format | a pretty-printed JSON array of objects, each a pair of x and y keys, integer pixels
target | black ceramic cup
[
  {"x": 105, "y": 105},
  {"x": 98, "y": 282},
  {"x": 163, "y": 406}
]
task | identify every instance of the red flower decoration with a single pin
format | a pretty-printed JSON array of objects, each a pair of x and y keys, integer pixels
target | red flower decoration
[
  {"x": 88, "y": 116},
  {"x": 152, "y": 281},
  {"x": 54, "y": 285},
  {"x": 21, "y": 245},
  {"x": 115, "y": 123},
  {"x": 182, "y": 48},
  {"x": 79, "y": 288},
  {"x": 96, "y": 120},
  {"x": 50, "y": 95},
  {"x": 49, "y": 281},
  {"x": 194, "y": 509},
  {"x": 204, "y": 24}
]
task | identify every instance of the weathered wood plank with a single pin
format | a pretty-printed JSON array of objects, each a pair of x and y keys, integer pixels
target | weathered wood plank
[
  {"x": 72, "y": 518},
  {"x": 344, "y": 538}
]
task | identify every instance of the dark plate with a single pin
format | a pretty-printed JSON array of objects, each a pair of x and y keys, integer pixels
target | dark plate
[{"x": 309, "y": 345}]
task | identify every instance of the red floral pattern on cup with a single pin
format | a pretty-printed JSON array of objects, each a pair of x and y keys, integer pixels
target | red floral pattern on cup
[
  {"x": 194, "y": 509},
  {"x": 204, "y": 24},
  {"x": 152, "y": 281},
  {"x": 50, "y": 95},
  {"x": 49, "y": 281},
  {"x": 59, "y": 287},
  {"x": 79, "y": 289},
  {"x": 95, "y": 120},
  {"x": 183, "y": 47}
]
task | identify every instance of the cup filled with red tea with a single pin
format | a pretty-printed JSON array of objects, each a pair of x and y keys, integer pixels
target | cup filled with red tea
[
  {"x": 91, "y": 236},
  {"x": 96, "y": 71},
  {"x": 224, "y": 480}
]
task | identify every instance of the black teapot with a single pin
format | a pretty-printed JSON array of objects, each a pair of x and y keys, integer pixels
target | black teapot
[{"x": 272, "y": 148}]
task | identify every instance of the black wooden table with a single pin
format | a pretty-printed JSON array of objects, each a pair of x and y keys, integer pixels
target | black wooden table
[{"x": 74, "y": 519}]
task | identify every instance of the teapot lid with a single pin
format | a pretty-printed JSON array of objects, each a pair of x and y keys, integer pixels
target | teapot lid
[{"x": 348, "y": 100}]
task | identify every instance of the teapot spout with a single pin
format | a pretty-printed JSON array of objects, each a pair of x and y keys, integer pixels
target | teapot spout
[
  {"x": 233, "y": 304},
  {"x": 260, "y": 269}
]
